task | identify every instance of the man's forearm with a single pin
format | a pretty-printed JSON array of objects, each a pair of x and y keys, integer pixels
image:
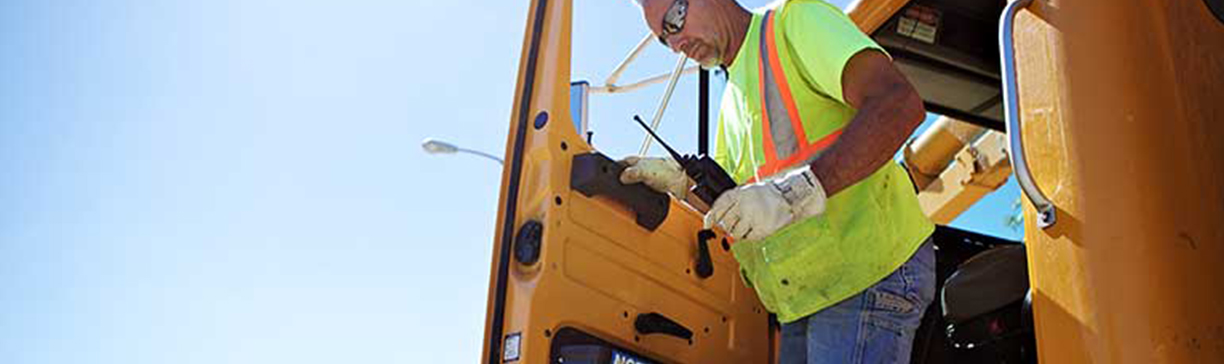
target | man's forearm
[{"x": 871, "y": 139}]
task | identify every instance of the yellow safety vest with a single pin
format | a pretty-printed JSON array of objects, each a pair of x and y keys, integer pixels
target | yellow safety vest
[{"x": 868, "y": 229}]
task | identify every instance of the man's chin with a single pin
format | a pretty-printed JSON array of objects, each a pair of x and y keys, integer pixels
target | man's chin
[{"x": 709, "y": 63}]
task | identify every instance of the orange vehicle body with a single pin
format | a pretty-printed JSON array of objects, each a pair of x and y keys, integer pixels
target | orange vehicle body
[{"x": 1123, "y": 113}]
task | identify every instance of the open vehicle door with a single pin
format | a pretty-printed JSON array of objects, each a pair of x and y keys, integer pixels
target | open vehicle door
[{"x": 587, "y": 270}]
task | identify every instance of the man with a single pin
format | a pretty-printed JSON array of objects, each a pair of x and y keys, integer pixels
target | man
[{"x": 828, "y": 230}]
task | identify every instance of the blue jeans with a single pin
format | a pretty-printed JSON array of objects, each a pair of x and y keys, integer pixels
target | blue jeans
[{"x": 874, "y": 326}]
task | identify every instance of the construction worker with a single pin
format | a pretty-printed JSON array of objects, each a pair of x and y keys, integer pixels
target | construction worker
[{"x": 828, "y": 229}]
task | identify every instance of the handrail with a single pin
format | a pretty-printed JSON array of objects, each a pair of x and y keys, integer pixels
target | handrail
[
  {"x": 616, "y": 89},
  {"x": 620, "y": 68},
  {"x": 610, "y": 86},
  {"x": 658, "y": 116},
  {"x": 1011, "y": 104}
]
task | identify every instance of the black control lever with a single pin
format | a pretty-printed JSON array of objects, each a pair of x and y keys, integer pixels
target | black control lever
[
  {"x": 704, "y": 266},
  {"x": 655, "y": 323},
  {"x": 709, "y": 179}
]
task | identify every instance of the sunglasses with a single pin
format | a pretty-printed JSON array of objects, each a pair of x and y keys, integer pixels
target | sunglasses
[{"x": 673, "y": 20}]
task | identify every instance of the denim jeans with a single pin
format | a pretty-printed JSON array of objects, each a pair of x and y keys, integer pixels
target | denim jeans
[{"x": 874, "y": 326}]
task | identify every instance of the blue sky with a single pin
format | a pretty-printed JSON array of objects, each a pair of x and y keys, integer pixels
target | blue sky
[{"x": 242, "y": 181}]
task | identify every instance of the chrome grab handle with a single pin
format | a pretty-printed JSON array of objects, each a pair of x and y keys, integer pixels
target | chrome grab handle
[{"x": 1011, "y": 106}]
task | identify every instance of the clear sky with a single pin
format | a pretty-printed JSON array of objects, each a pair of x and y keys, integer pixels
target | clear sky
[{"x": 239, "y": 181}]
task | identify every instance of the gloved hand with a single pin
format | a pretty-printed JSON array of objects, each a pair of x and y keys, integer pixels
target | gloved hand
[
  {"x": 756, "y": 211},
  {"x": 661, "y": 174}
]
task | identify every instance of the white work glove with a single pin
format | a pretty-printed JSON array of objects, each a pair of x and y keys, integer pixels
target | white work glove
[
  {"x": 661, "y": 174},
  {"x": 756, "y": 211}
]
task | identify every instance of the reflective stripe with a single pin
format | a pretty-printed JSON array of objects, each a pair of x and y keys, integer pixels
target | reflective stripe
[
  {"x": 785, "y": 142},
  {"x": 779, "y": 121},
  {"x": 767, "y": 132},
  {"x": 806, "y": 155}
]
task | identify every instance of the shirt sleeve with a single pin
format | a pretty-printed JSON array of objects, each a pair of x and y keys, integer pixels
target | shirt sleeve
[{"x": 824, "y": 39}]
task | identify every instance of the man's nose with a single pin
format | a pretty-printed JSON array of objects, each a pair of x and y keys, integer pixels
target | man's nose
[{"x": 676, "y": 43}]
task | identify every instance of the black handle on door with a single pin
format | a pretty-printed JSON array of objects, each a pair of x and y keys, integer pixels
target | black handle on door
[{"x": 655, "y": 323}]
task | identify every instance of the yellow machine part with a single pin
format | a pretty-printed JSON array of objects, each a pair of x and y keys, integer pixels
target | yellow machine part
[
  {"x": 929, "y": 154},
  {"x": 597, "y": 269},
  {"x": 1124, "y": 131},
  {"x": 975, "y": 171},
  {"x": 954, "y": 164}
]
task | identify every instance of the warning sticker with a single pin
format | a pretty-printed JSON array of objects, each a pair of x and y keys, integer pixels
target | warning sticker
[
  {"x": 510, "y": 352},
  {"x": 919, "y": 22}
]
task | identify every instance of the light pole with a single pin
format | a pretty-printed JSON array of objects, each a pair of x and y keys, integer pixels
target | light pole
[{"x": 432, "y": 146}]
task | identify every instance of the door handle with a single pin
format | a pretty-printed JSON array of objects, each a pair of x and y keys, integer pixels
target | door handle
[
  {"x": 704, "y": 266},
  {"x": 655, "y": 323},
  {"x": 1011, "y": 105}
]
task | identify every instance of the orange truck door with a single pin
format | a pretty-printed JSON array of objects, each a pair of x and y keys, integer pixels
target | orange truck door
[{"x": 586, "y": 270}]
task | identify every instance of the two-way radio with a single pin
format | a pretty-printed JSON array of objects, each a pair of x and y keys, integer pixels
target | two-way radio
[{"x": 709, "y": 179}]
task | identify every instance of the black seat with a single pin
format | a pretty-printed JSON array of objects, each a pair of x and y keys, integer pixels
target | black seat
[{"x": 987, "y": 282}]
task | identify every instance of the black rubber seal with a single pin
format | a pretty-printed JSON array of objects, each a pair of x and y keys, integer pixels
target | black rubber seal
[
  {"x": 1217, "y": 8},
  {"x": 512, "y": 190},
  {"x": 703, "y": 112}
]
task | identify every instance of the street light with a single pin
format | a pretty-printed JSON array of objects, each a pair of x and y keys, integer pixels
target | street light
[{"x": 432, "y": 146}]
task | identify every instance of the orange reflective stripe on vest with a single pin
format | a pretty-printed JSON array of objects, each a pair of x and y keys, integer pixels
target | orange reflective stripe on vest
[{"x": 785, "y": 141}]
